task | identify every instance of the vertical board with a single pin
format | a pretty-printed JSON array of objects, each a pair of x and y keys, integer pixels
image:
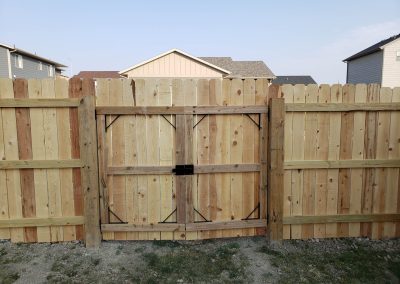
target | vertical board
[
  {"x": 153, "y": 157},
  {"x": 287, "y": 94},
  {"x": 382, "y": 152},
  {"x": 298, "y": 154},
  {"x": 130, "y": 140},
  {"x": 249, "y": 132},
  {"x": 141, "y": 151},
  {"x": 64, "y": 153},
  {"x": 333, "y": 154},
  {"x": 51, "y": 153},
  {"x": 117, "y": 133},
  {"x": 369, "y": 153},
  {"x": 12, "y": 177},
  {"x": 203, "y": 158},
  {"x": 357, "y": 154},
  {"x": 39, "y": 153},
  {"x": 321, "y": 176},
  {"x": 392, "y": 202},
  {"x": 166, "y": 154},
  {"x": 75, "y": 91},
  {"x": 310, "y": 141},
  {"x": 236, "y": 140}
]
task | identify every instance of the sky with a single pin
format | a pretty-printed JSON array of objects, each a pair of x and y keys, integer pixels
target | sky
[{"x": 307, "y": 37}]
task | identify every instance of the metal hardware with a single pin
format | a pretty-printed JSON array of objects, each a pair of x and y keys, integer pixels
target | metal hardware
[
  {"x": 200, "y": 120},
  {"x": 116, "y": 216},
  {"x": 255, "y": 122},
  {"x": 182, "y": 170},
  {"x": 201, "y": 215},
  {"x": 115, "y": 119},
  {"x": 254, "y": 210},
  {"x": 170, "y": 222},
  {"x": 168, "y": 121}
]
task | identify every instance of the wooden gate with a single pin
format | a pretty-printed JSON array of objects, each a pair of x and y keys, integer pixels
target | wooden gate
[{"x": 182, "y": 159}]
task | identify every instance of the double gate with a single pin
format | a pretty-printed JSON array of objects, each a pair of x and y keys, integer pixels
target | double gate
[{"x": 182, "y": 159}]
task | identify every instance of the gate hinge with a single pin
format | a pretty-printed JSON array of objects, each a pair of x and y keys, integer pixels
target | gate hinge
[{"x": 181, "y": 170}]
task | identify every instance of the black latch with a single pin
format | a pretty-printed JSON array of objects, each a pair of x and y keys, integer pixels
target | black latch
[{"x": 181, "y": 170}]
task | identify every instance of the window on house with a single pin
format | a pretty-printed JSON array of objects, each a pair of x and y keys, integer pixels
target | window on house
[
  {"x": 40, "y": 66},
  {"x": 19, "y": 63},
  {"x": 51, "y": 71},
  {"x": 398, "y": 55}
]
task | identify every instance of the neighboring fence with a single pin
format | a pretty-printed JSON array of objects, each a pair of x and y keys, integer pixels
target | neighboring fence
[
  {"x": 342, "y": 159},
  {"x": 332, "y": 155}
]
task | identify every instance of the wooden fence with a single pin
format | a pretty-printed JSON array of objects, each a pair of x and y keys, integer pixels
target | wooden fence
[
  {"x": 331, "y": 154},
  {"x": 342, "y": 159}
]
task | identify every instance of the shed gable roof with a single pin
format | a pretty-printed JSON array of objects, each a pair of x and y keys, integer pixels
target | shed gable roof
[
  {"x": 222, "y": 70},
  {"x": 293, "y": 80}
]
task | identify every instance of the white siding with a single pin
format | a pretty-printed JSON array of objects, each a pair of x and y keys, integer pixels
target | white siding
[
  {"x": 174, "y": 65},
  {"x": 391, "y": 66},
  {"x": 366, "y": 69}
]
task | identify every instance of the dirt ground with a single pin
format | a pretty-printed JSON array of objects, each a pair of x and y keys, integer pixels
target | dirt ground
[{"x": 241, "y": 260}]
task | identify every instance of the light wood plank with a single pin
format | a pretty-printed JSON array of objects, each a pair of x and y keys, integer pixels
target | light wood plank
[
  {"x": 39, "y": 102},
  {"x": 249, "y": 132},
  {"x": 166, "y": 153},
  {"x": 336, "y": 107},
  {"x": 143, "y": 228},
  {"x": 322, "y": 152},
  {"x": 118, "y": 156},
  {"x": 40, "y": 164},
  {"x": 298, "y": 154},
  {"x": 348, "y": 218},
  {"x": 188, "y": 109},
  {"x": 42, "y": 222},
  {"x": 131, "y": 182},
  {"x": 333, "y": 154},
  {"x": 382, "y": 152},
  {"x": 341, "y": 164},
  {"x": 392, "y": 202},
  {"x": 39, "y": 153},
  {"x": 236, "y": 140},
  {"x": 64, "y": 152},
  {"x": 357, "y": 153},
  {"x": 226, "y": 225},
  {"x": 369, "y": 153}
]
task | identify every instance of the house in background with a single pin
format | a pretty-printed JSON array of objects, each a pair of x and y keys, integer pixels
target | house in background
[
  {"x": 293, "y": 80},
  {"x": 178, "y": 64},
  {"x": 18, "y": 63},
  {"x": 98, "y": 74},
  {"x": 379, "y": 63}
]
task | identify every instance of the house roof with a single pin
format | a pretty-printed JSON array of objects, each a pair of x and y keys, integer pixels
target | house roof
[
  {"x": 306, "y": 80},
  {"x": 26, "y": 53},
  {"x": 241, "y": 69},
  {"x": 180, "y": 52},
  {"x": 98, "y": 74},
  {"x": 373, "y": 48}
]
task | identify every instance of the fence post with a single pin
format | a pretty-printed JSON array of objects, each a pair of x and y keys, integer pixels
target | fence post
[
  {"x": 275, "y": 168},
  {"x": 89, "y": 171}
]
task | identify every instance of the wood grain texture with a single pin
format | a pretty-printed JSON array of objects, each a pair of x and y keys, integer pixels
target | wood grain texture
[{"x": 23, "y": 125}]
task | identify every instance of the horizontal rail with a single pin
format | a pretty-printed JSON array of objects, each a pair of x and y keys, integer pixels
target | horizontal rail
[
  {"x": 331, "y": 107},
  {"x": 42, "y": 222},
  {"x": 40, "y": 164},
  {"x": 153, "y": 110},
  {"x": 206, "y": 226},
  {"x": 341, "y": 164},
  {"x": 38, "y": 103},
  {"x": 239, "y": 224},
  {"x": 142, "y": 228},
  {"x": 198, "y": 169},
  {"x": 296, "y": 220}
]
